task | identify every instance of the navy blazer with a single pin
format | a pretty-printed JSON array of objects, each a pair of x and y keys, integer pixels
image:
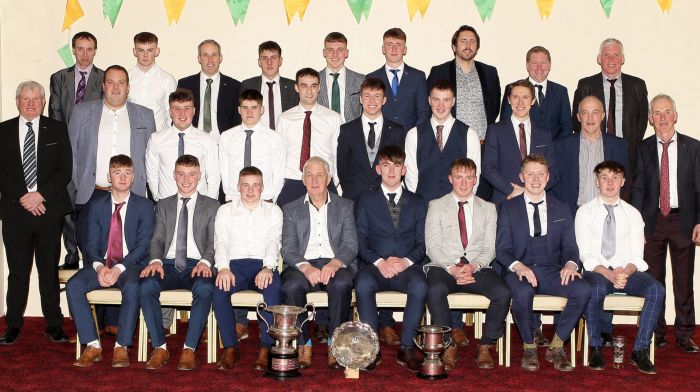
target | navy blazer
[
  {"x": 354, "y": 170},
  {"x": 138, "y": 227},
  {"x": 227, "y": 115},
  {"x": 376, "y": 236},
  {"x": 501, "y": 158},
  {"x": 513, "y": 233},
  {"x": 552, "y": 114},
  {"x": 410, "y": 106},
  {"x": 567, "y": 153}
]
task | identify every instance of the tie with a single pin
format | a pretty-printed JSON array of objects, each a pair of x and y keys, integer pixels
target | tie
[
  {"x": 540, "y": 94},
  {"x": 611, "y": 111},
  {"x": 181, "y": 238},
  {"x": 462, "y": 230},
  {"x": 607, "y": 248},
  {"x": 523, "y": 142},
  {"x": 392, "y": 198},
  {"x": 305, "y": 142},
  {"x": 246, "y": 154},
  {"x": 29, "y": 160},
  {"x": 335, "y": 94},
  {"x": 536, "y": 219},
  {"x": 439, "y": 136},
  {"x": 271, "y": 103},
  {"x": 665, "y": 187},
  {"x": 181, "y": 144},
  {"x": 395, "y": 82},
  {"x": 394, "y": 210},
  {"x": 371, "y": 137},
  {"x": 115, "y": 251},
  {"x": 207, "y": 107},
  {"x": 80, "y": 93}
]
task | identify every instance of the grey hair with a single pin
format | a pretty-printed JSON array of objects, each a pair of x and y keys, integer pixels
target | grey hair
[
  {"x": 659, "y": 97},
  {"x": 611, "y": 41},
  {"x": 30, "y": 85},
  {"x": 317, "y": 159}
]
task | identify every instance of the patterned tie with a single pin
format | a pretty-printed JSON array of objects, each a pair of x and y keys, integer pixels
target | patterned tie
[
  {"x": 536, "y": 219},
  {"x": 462, "y": 230},
  {"x": 115, "y": 251},
  {"x": 392, "y": 199},
  {"x": 246, "y": 153},
  {"x": 207, "y": 107},
  {"x": 80, "y": 92},
  {"x": 181, "y": 237},
  {"x": 335, "y": 94},
  {"x": 393, "y": 210},
  {"x": 29, "y": 159},
  {"x": 181, "y": 144},
  {"x": 305, "y": 142},
  {"x": 611, "y": 111},
  {"x": 540, "y": 94},
  {"x": 523, "y": 141},
  {"x": 665, "y": 187},
  {"x": 607, "y": 247},
  {"x": 372, "y": 136},
  {"x": 395, "y": 81},
  {"x": 271, "y": 103},
  {"x": 438, "y": 136}
]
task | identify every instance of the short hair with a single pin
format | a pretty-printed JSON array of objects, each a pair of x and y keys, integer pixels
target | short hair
[
  {"x": 118, "y": 68},
  {"x": 443, "y": 85},
  {"x": 250, "y": 95},
  {"x": 534, "y": 158},
  {"x": 613, "y": 166},
  {"x": 250, "y": 171},
  {"x": 393, "y": 153},
  {"x": 83, "y": 35},
  {"x": 521, "y": 83},
  {"x": 317, "y": 159},
  {"x": 30, "y": 85},
  {"x": 578, "y": 109},
  {"x": 181, "y": 95},
  {"x": 272, "y": 46},
  {"x": 462, "y": 29},
  {"x": 335, "y": 37},
  {"x": 660, "y": 97},
  {"x": 187, "y": 160},
  {"x": 120, "y": 160},
  {"x": 463, "y": 163},
  {"x": 372, "y": 83},
  {"x": 145, "y": 38},
  {"x": 538, "y": 49},
  {"x": 208, "y": 41},
  {"x": 611, "y": 41},
  {"x": 307, "y": 72},
  {"x": 395, "y": 32}
]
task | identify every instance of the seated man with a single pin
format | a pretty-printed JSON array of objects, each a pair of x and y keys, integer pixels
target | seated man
[
  {"x": 319, "y": 247},
  {"x": 247, "y": 241},
  {"x": 390, "y": 235},
  {"x": 460, "y": 238},
  {"x": 610, "y": 237},
  {"x": 182, "y": 248},
  {"x": 535, "y": 241},
  {"x": 116, "y": 254}
]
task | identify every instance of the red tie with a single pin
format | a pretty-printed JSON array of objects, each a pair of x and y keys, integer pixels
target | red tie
[
  {"x": 115, "y": 251},
  {"x": 462, "y": 230},
  {"x": 523, "y": 142},
  {"x": 665, "y": 196},
  {"x": 305, "y": 142},
  {"x": 439, "y": 136}
]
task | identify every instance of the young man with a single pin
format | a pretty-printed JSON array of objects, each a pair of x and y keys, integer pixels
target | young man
[
  {"x": 340, "y": 86},
  {"x": 120, "y": 225}
]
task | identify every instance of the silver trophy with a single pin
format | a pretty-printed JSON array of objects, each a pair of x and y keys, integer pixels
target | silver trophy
[
  {"x": 432, "y": 342},
  {"x": 283, "y": 361},
  {"x": 355, "y": 346}
]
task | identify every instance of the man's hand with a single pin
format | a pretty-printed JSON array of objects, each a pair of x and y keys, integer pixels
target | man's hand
[
  {"x": 328, "y": 270},
  {"x": 523, "y": 271},
  {"x": 517, "y": 191},
  {"x": 399, "y": 264},
  {"x": 568, "y": 273},
  {"x": 103, "y": 276},
  {"x": 696, "y": 234},
  {"x": 152, "y": 270},
  {"x": 31, "y": 200},
  {"x": 201, "y": 269},
  {"x": 463, "y": 274},
  {"x": 263, "y": 278},
  {"x": 313, "y": 274},
  {"x": 114, "y": 273},
  {"x": 620, "y": 280},
  {"x": 386, "y": 269},
  {"x": 225, "y": 279}
]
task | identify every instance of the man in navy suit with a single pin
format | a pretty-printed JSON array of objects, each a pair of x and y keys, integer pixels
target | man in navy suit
[
  {"x": 115, "y": 254},
  {"x": 405, "y": 86},
  {"x": 391, "y": 242},
  {"x": 552, "y": 110},
  {"x": 535, "y": 242}
]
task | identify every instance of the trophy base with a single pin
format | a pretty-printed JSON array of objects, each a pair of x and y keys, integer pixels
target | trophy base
[
  {"x": 282, "y": 375},
  {"x": 282, "y": 366},
  {"x": 431, "y": 376}
]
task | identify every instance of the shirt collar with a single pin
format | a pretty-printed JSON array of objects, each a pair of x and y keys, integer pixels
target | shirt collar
[
  {"x": 528, "y": 200},
  {"x": 35, "y": 122},
  {"x": 379, "y": 120},
  {"x": 193, "y": 198},
  {"x": 330, "y": 72},
  {"x": 276, "y": 79},
  {"x": 87, "y": 69},
  {"x": 203, "y": 77},
  {"x": 126, "y": 200},
  {"x": 516, "y": 122},
  {"x": 303, "y": 109},
  {"x": 186, "y": 131},
  {"x": 388, "y": 68},
  {"x": 328, "y": 199},
  {"x": 152, "y": 70},
  {"x": 618, "y": 77},
  {"x": 470, "y": 199},
  {"x": 602, "y": 202},
  {"x": 534, "y": 82},
  {"x": 673, "y": 138},
  {"x": 115, "y": 111},
  {"x": 398, "y": 191},
  {"x": 447, "y": 124}
]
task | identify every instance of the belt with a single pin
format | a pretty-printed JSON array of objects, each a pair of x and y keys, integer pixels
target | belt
[{"x": 103, "y": 188}]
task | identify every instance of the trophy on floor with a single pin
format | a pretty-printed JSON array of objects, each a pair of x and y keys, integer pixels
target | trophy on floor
[
  {"x": 284, "y": 359},
  {"x": 355, "y": 346},
  {"x": 432, "y": 342}
]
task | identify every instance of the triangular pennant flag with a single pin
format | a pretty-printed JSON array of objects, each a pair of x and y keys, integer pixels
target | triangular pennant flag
[
  {"x": 485, "y": 8},
  {"x": 545, "y": 7},
  {"x": 607, "y": 6},
  {"x": 294, "y": 7},
  {"x": 665, "y": 5},
  {"x": 73, "y": 12},
  {"x": 173, "y": 9},
  {"x": 110, "y": 9},
  {"x": 66, "y": 55},
  {"x": 359, "y": 8},
  {"x": 417, "y": 6},
  {"x": 238, "y": 9}
]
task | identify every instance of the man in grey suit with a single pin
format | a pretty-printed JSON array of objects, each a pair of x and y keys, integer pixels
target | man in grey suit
[
  {"x": 327, "y": 261},
  {"x": 340, "y": 87}
]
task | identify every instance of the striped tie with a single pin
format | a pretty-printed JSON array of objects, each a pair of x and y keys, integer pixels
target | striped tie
[{"x": 29, "y": 160}]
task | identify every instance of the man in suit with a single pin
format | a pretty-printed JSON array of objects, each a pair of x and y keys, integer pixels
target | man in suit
[
  {"x": 390, "y": 235},
  {"x": 340, "y": 87},
  {"x": 278, "y": 93},
  {"x": 181, "y": 256},
  {"x": 626, "y": 114},
  {"x": 405, "y": 86},
  {"x": 460, "y": 239},
  {"x": 71, "y": 86},
  {"x": 536, "y": 246},
  {"x": 665, "y": 191},
  {"x": 120, "y": 226},
  {"x": 35, "y": 167},
  {"x": 319, "y": 247},
  {"x": 215, "y": 94},
  {"x": 552, "y": 110}
]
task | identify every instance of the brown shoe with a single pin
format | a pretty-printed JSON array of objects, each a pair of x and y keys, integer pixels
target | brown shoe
[
  {"x": 540, "y": 340},
  {"x": 186, "y": 360},
  {"x": 89, "y": 356},
  {"x": 261, "y": 362},
  {"x": 407, "y": 357},
  {"x": 120, "y": 359},
  {"x": 530, "y": 362},
  {"x": 459, "y": 337},
  {"x": 483, "y": 357},
  {"x": 388, "y": 336},
  {"x": 111, "y": 330},
  {"x": 304, "y": 352},
  {"x": 241, "y": 331},
  {"x": 558, "y": 357},
  {"x": 332, "y": 362},
  {"x": 158, "y": 358},
  {"x": 449, "y": 357},
  {"x": 229, "y": 357}
]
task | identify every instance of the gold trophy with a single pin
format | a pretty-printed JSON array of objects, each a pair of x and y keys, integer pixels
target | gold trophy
[
  {"x": 432, "y": 342},
  {"x": 283, "y": 361}
]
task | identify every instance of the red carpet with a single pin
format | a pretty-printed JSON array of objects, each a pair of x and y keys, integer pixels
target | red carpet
[{"x": 35, "y": 364}]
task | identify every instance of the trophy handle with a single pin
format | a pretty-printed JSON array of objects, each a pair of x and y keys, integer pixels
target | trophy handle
[
  {"x": 415, "y": 340},
  {"x": 447, "y": 343},
  {"x": 308, "y": 318},
  {"x": 262, "y": 305}
]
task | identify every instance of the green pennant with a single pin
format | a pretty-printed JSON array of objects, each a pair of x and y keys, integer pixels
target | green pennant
[
  {"x": 110, "y": 9},
  {"x": 66, "y": 55},
  {"x": 238, "y": 9},
  {"x": 359, "y": 8},
  {"x": 607, "y": 6},
  {"x": 485, "y": 8}
]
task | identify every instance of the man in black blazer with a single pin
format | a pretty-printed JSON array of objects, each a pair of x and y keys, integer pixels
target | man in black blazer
[
  {"x": 35, "y": 167},
  {"x": 666, "y": 191}
]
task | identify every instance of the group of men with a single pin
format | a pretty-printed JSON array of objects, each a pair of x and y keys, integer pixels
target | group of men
[{"x": 437, "y": 197}]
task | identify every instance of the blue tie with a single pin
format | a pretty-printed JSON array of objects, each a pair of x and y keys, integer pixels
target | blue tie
[{"x": 395, "y": 82}]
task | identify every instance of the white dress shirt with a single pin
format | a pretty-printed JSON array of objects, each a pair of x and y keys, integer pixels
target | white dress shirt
[
  {"x": 23, "y": 128},
  {"x": 319, "y": 245},
  {"x": 377, "y": 134},
  {"x": 544, "y": 88},
  {"x": 542, "y": 208},
  {"x": 192, "y": 250},
  {"x": 113, "y": 138},
  {"x": 125, "y": 249},
  {"x": 672, "y": 167},
  {"x": 216, "y": 82},
  {"x": 618, "y": 101},
  {"x": 152, "y": 89},
  {"x": 277, "y": 96},
  {"x": 528, "y": 131},
  {"x": 341, "y": 84},
  {"x": 390, "y": 75}
]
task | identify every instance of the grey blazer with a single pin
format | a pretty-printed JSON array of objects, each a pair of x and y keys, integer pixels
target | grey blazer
[
  {"x": 202, "y": 226},
  {"x": 83, "y": 129},
  {"x": 290, "y": 98},
  {"x": 353, "y": 81},
  {"x": 341, "y": 231},
  {"x": 442, "y": 241},
  {"x": 62, "y": 86}
]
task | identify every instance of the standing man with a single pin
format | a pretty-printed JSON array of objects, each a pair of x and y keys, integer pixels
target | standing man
[
  {"x": 35, "y": 167},
  {"x": 665, "y": 191},
  {"x": 340, "y": 87}
]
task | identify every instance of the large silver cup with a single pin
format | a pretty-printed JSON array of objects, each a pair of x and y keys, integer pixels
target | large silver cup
[
  {"x": 283, "y": 360},
  {"x": 432, "y": 342}
]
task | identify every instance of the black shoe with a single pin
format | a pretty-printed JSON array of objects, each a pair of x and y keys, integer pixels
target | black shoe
[
  {"x": 56, "y": 335},
  {"x": 373, "y": 366},
  {"x": 321, "y": 334},
  {"x": 69, "y": 265},
  {"x": 640, "y": 359},
  {"x": 607, "y": 339},
  {"x": 10, "y": 337},
  {"x": 659, "y": 341},
  {"x": 687, "y": 345},
  {"x": 596, "y": 361},
  {"x": 407, "y": 357}
]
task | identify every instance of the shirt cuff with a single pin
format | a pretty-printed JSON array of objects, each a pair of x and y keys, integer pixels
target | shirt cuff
[
  {"x": 572, "y": 262},
  {"x": 376, "y": 263},
  {"x": 510, "y": 267},
  {"x": 159, "y": 261},
  {"x": 96, "y": 265},
  {"x": 299, "y": 264},
  {"x": 205, "y": 262},
  {"x": 121, "y": 267},
  {"x": 409, "y": 261}
]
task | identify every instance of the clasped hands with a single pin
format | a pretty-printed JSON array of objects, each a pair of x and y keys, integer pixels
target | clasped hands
[
  {"x": 463, "y": 274},
  {"x": 108, "y": 276},
  {"x": 33, "y": 202},
  {"x": 392, "y": 266},
  {"x": 323, "y": 275}
]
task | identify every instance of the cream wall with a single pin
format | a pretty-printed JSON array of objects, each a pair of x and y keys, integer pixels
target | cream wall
[{"x": 660, "y": 48}]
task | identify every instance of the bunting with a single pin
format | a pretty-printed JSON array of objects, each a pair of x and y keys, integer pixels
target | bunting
[
  {"x": 607, "y": 6},
  {"x": 359, "y": 8},
  {"x": 73, "y": 12},
  {"x": 238, "y": 9},
  {"x": 665, "y": 5},
  {"x": 66, "y": 55},
  {"x": 110, "y": 9},
  {"x": 173, "y": 10},
  {"x": 485, "y": 8},
  {"x": 417, "y": 6},
  {"x": 294, "y": 7},
  {"x": 545, "y": 7}
]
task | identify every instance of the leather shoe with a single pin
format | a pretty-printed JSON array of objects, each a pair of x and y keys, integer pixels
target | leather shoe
[
  {"x": 459, "y": 337},
  {"x": 641, "y": 360},
  {"x": 388, "y": 336},
  {"x": 540, "y": 340},
  {"x": 687, "y": 345},
  {"x": 228, "y": 359},
  {"x": 186, "y": 360},
  {"x": 596, "y": 361},
  {"x": 659, "y": 341},
  {"x": 89, "y": 356},
  {"x": 304, "y": 353},
  {"x": 449, "y": 357},
  {"x": 261, "y": 362},
  {"x": 120, "y": 358},
  {"x": 241, "y": 331},
  {"x": 10, "y": 337},
  {"x": 373, "y": 366},
  {"x": 607, "y": 339},
  {"x": 530, "y": 362},
  {"x": 56, "y": 335},
  {"x": 321, "y": 334},
  {"x": 558, "y": 357},
  {"x": 483, "y": 357},
  {"x": 332, "y": 362},
  {"x": 407, "y": 357},
  {"x": 158, "y": 358},
  {"x": 111, "y": 330},
  {"x": 69, "y": 265}
]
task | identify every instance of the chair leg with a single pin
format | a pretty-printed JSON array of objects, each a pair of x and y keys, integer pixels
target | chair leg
[
  {"x": 573, "y": 348},
  {"x": 143, "y": 339},
  {"x": 581, "y": 323},
  {"x": 586, "y": 343},
  {"x": 499, "y": 348},
  {"x": 77, "y": 347},
  {"x": 509, "y": 320},
  {"x": 651, "y": 349},
  {"x": 211, "y": 342}
]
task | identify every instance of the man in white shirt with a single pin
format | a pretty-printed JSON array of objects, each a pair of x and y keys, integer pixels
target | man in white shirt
[
  {"x": 340, "y": 86},
  {"x": 248, "y": 231},
  {"x": 610, "y": 238}
]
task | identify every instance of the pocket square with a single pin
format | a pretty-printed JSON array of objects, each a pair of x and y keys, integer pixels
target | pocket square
[
  {"x": 541, "y": 145},
  {"x": 51, "y": 144},
  {"x": 559, "y": 220}
]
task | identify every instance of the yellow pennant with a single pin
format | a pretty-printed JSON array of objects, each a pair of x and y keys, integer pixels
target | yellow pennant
[
  {"x": 73, "y": 12},
  {"x": 417, "y": 6},
  {"x": 173, "y": 9},
  {"x": 545, "y": 7},
  {"x": 665, "y": 5},
  {"x": 294, "y": 7}
]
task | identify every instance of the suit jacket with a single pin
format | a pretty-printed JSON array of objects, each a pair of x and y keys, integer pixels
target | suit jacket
[
  {"x": 53, "y": 154},
  {"x": 501, "y": 158},
  {"x": 202, "y": 226},
  {"x": 567, "y": 152},
  {"x": 83, "y": 130},
  {"x": 353, "y": 81},
  {"x": 442, "y": 238},
  {"x": 290, "y": 97},
  {"x": 410, "y": 106},
  {"x": 138, "y": 226},
  {"x": 376, "y": 235},
  {"x": 645, "y": 187},
  {"x": 341, "y": 231},
  {"x": 227, "y": 115},
  {"x": 62, "y": 85},
  {"x": 552, "y": 114},
  {"x": 354, "y": 170},
  {"x": 488, "y": 77}
]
